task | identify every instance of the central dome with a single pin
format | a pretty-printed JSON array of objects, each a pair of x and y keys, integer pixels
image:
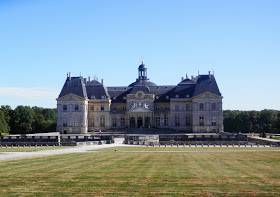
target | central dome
[
  {"x": 142, "y": 77},
  {"x": 142, "y": 83}
]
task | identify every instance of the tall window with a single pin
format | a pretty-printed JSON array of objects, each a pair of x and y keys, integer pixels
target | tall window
[
  {"x": 214, "y": 121},
  {"x": 122, "y": 122},
  {"x": 177, "y": 108},
  {"x": 177, "y": 120},
  {"x": 64, "y": 123},
  {"x": 165, "y": 122},
  {"x": 157, "y": 121},
  {"x": 214, "y": 106},
  {"x": 102, "y": 108},
  {"x": 201, "y": 106},
  {"x": 201, "y": 120},
  {"x": 76, "y": 107},
  {"x": 114, "y": 122},
  {"x": 91, "y": 122},
  {"x": 188, "y": 120},
  {"x": 188, "y": 107},
  {"x": 65, "y": 108},
  {"x": 92, "y": 108},
  {"x": 102, "y": 121}
]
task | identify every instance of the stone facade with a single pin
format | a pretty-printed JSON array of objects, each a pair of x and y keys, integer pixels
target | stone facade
[{"x": 193, "y": 105}]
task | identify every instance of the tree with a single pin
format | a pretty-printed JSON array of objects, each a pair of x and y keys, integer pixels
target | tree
[
  {"x": 8, "y": 115},
  {"x": 44, "y": 120},
  {"x": 4, "y": 127},
  {"x": 23, "y": 119}
]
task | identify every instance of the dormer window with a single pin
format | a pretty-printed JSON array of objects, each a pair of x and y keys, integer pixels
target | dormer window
[
  {"x": 177, "y": 96},
  {"x": 102, "y": 108}
]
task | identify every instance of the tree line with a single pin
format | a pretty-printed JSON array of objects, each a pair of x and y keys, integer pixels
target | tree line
[
  {"x": 24, "y": 120},
  {"x": 252, "y": 121}
]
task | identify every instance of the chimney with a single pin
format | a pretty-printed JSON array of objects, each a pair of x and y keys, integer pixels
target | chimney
[
  {"x": 69, "y": 76},
  {"x": 182, "y": 78},
  {"x": 88, "y": 78},
  {"x": 102, "y": 81}
]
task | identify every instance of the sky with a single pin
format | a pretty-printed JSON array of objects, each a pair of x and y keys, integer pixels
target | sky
[{"x": 42, "y": 40}]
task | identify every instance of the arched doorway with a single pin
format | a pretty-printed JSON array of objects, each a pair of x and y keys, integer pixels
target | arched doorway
[
  {"x": 132, "y": 122},
  {"x": 139, "y": 122}
]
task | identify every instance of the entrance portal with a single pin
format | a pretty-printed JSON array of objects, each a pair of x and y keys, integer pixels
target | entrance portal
[{"x": 139, "y": 122}]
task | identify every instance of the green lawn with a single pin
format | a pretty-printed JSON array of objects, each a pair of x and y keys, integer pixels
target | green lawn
[
  {"x": 146, "y": 172},
  {"x": 29, "y": 149}
]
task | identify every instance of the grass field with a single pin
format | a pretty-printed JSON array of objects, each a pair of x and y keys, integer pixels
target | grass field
[
  {"x": 29, "y": 149},
  {"x": 141, "y": 171}
]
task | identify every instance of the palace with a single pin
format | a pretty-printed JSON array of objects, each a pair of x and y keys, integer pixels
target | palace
[{"x": 193, "y": 105}]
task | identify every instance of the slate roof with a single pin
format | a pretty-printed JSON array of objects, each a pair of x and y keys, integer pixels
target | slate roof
[
  {"x": 74, "y": 85},
  {"x": 142, "y": 83},
  {"x": 187, "y": 88}
]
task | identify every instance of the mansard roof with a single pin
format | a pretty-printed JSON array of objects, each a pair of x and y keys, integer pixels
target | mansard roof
[
  {"x": 187, "y": 88},
  {"x": 74, "y": 85}
]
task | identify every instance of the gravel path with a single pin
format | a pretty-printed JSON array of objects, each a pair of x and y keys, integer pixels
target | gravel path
[{"x": 77, "y": 149}]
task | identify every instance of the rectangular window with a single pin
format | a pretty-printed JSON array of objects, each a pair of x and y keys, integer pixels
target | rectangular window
[
  {"x": 76, "y": 107},
  {"x": 188, "y": 120},
  {"x": 201, "y": 106},
  {"x": 65, "y": 108},
  {"x": 64, "y": 123},
  {"x": 201, "y": 120},
  {"x": 102, "y": 108},
  {"x": 157, "y": 121},
  {"x": 177, "y": 120},
  {"x": 165, "y": 122},
  {"x": 122, "y": 122},
  {"x": 214, "y": 121},
  {"x": 91, "y": 122},
  {"x": 188, "y": 108},
  {"x": 214, "y": 106},
  {"x": 114, "y": 122},
  {"x": 177, "y": 108},
  {"x": 102, "y": 121},
  {"x": 92, "y": 108}
]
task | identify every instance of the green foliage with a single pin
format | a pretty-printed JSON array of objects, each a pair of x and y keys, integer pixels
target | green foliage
[
  {"x": 36, "y": 119},
  {"x": 252, "y": 121},
  {"x": 4, "y": 127},
  {"x": 24, "y": 119}
]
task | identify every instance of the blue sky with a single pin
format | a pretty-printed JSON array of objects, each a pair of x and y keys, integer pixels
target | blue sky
[{"x": 41, "y": 40}]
